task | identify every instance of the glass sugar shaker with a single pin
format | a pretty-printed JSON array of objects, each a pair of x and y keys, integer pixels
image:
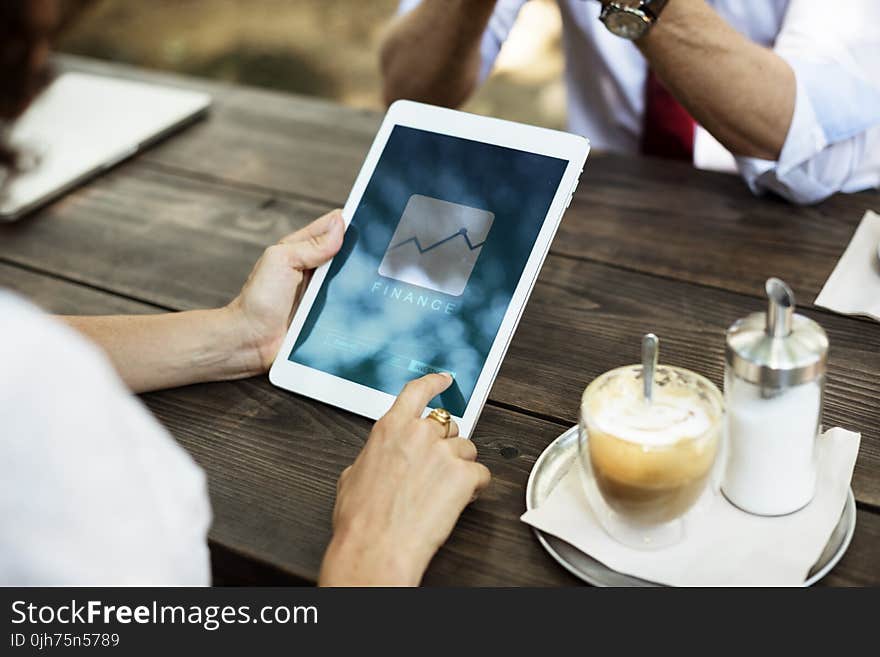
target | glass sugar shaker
[{"x": 774, "y": 382}]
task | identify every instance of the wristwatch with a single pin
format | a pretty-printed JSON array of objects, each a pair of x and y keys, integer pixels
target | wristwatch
[{"x": 631, "y": 20}]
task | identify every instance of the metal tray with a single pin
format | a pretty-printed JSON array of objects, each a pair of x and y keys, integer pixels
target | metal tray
[{"x": 554, "y": 463}]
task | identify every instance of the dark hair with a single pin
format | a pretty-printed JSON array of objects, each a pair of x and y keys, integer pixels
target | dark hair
[{"x": 24, "y": 27}]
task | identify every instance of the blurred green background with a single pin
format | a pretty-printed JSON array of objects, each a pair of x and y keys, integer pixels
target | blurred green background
[{"x": 326, "y": 48}]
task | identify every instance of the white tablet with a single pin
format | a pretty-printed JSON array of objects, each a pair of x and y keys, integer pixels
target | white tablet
[{"x": 448, "y": 224}]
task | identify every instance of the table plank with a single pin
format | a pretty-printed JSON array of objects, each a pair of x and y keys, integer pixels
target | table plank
[
  {"x": 283, "y": 454},
  {"x": 649, "y": 215},
  {"x": 859, "y": 565},
  {"x": 585, "y": 318},
  {"x": 669, "y": 219},
  {"x": 55, "y": 295},
  {"x": 267, "y": 449},
  {"x": 181, "y": 226},
  {"x": 182, "y": 243},
  {"x": 170, "y": 241},
  {"x": 280, "y": 453}
]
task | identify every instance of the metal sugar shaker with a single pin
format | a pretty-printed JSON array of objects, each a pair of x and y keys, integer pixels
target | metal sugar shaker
[{"x": 774, "y": 388}]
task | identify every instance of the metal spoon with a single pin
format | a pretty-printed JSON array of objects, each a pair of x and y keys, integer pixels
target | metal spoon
[{"x": 650, "y": 354}]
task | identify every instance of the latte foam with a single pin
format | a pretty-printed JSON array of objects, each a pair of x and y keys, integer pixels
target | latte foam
[
  {"x": 651, "y": 461},
  {"x": 676, "y": 412}
]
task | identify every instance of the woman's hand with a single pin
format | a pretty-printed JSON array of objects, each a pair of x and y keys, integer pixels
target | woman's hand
[
  {"x": 397, "y": 504},
  {"x": 239, "y": 340},
  {"x": 272, "y": 293}
]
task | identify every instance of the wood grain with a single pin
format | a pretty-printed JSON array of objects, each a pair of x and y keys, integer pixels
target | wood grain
[
  {"x": 669, "y": 219},
  {"x": 55, "y": 295},
  {"x": 585, "y": 318},
  {"x": 859, "y": 565},
  {"x": 280, "y": 454},
  {"x": 183, "y": 244},
  {"x": 170, "y": 241},
  {"x": 649, "y": 215},
  {"x": 646, "y": 245}
]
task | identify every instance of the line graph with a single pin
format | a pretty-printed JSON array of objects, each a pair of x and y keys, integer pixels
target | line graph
[
  {"x": 463, "y": 232},
  {"x": 436, "y": 244}
]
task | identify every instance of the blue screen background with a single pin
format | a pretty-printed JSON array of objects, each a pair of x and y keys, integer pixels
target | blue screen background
[{"x": 358, "y": 333}]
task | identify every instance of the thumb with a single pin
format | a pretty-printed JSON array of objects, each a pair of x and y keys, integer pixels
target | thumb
[
  {"x": 318, "y": 248},
  {"x": 317, "y": 227}
]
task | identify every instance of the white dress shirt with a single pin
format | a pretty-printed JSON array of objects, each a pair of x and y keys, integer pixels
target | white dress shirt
[
  {"x": 93, "y": 491},
  {"x": 833, "y": 142}
]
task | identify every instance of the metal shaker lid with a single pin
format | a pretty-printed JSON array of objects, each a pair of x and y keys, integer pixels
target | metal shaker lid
[{"x": 778, "y": 349}]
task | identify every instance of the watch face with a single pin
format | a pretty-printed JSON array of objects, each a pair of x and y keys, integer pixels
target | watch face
[{"x": 627, "y": 24}]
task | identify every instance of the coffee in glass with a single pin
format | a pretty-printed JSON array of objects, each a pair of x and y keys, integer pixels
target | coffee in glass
[{"x": 647, "y": 461}]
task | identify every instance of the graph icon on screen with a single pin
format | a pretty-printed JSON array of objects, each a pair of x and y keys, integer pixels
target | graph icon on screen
[{"x": 436, "y": 244}]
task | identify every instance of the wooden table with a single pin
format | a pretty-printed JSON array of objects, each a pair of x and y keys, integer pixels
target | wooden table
[{"x": 647, "y": 245}]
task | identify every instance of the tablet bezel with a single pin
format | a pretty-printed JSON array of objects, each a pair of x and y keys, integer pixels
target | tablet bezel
[{"x": 372, "y": 403}]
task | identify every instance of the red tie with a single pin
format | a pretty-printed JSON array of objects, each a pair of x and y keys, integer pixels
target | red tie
[{"x": 668, "y": 130}]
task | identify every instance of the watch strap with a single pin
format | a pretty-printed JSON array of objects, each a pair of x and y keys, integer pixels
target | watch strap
[{"x": 653, "y": 7}]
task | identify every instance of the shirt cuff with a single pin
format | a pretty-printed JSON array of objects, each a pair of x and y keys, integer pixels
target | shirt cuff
[
  {"x": 406, "y": 6},
  {"x": 804, "y": 140}
]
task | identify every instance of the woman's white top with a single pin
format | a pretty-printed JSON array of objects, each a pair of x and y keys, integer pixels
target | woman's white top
[{"x": 93, "y": 491}]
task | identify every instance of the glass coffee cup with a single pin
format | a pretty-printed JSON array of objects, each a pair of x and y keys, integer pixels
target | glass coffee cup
[{"x": 645, "y": 462}]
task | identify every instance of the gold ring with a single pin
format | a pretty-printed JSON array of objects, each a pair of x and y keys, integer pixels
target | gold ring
[{"x": 442, "y": 416}]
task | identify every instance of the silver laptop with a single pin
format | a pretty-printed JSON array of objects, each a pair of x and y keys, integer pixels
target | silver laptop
[{"x": 83, "y": 124}]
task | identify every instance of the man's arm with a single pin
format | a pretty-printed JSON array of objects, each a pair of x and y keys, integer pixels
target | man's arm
[
  {"x": 742, "y": 93},
  {"x": 432, "y": 53}
]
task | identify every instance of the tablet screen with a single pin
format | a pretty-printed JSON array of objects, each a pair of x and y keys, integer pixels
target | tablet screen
[{"x": 429, "y": 264}]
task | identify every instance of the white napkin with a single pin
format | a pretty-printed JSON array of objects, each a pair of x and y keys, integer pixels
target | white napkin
[
  {"x": 724, "y": 546},
  {"x": 854, "y": 286}
]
